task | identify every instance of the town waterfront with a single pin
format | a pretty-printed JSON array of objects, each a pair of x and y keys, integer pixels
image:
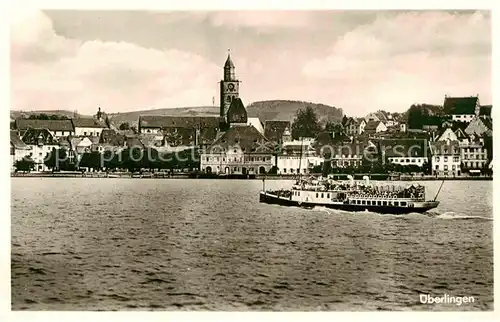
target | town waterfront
[{"x": 114, "y": 244}]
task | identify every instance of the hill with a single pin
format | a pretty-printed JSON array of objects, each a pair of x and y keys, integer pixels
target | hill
[
  {"x": 286, "y": 110},
  {"x": 69, "y": 114},
  {"x": 265, "y": 110}
]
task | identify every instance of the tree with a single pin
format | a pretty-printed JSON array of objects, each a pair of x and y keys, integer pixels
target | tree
[
  {"x": 91, "y": 160},
  {"x": 305, "y": 124},
  {"x": 54, "y": 158},
  {"x": 25, "y": 164},
  {"x": 344, "y": 120},
  {"x": 124, "y": 126},
  {"x": 58, "y": 159}
]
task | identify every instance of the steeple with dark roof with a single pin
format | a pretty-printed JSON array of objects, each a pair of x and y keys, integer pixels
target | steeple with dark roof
[{"x": 229, "y": 74}]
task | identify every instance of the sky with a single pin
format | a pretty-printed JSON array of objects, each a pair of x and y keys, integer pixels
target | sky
[{"x": 360, "y": 61}]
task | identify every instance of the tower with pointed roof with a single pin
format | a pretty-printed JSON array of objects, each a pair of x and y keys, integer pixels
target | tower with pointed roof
[{"x": 229, "y": 87}]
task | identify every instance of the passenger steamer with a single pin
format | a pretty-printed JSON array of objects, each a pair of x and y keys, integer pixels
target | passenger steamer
[{"x": 352, "y": 196}]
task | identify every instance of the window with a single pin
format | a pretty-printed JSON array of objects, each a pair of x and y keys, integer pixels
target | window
[
  {"x": 396, "y": 203},
  {"x": 408, "y": 160},
  {"x": 208, "y": 159},
  {"x": 437, "y": 167},
  {"x": 358, "y": 202},
  {"x": 363, "y": 202},
  {"x": 284, "y": 170},
  {"x": 84, "y": 133},
  {"x": 291, "y": 170},
  {"x": 455, "y": 159},
  {"x": 234, "y": 169},
  {"x": 374, "y": 202},
  {"x": 317, "y": 195},
  {"x": 445, "y": 167},
  {"x": 453, "y": 167},
  {"x": 403, "y": 203},
  {"x": 322, "y": 195},
  {"x": 379, "y": 203},
  {"x": 437, "y": 159},
  {"x": 413, "y": 160},
  {"x": 384, "y": 203},
  {"x": 445, "y": 159},
  {"x": 328, "y": 195},
  {"x": 298, "y": 170}
]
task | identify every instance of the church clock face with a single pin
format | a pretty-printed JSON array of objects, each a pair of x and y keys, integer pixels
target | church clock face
[{"x": 230, "y": 87}]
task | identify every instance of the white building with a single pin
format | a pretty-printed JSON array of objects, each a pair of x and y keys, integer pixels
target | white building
[
  {"x": 462, "y": 109},
  {"x": 41, "y": 143},
  {"x": 239, "y": 150},
  {"x": 445, "y": 158},
  {"x": 296, "y": 157},
  {"x": 18, "y": 149}
]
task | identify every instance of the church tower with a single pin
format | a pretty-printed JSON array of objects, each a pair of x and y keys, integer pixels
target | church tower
[{"x": 229, "y": 87}]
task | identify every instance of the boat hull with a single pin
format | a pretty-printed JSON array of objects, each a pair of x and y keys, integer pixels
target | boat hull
[{"x": 418, "y": 207}]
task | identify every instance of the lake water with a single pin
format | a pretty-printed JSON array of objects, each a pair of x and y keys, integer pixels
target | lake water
[{"x": 146, "y": 244}]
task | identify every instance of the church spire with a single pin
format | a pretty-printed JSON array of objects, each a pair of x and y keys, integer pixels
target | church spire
[
  {"x": 229, "y": 62},
  {"x": 229, "y": 74}
]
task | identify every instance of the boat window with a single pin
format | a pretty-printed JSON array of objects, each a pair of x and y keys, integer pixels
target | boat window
[
  {"x": 364, "y": 202},
  {"x": 396, "y": 203},
  {"x": 321, "y": 195},
  {"x": 353, "y": 202},
  {"x": 403, "y": 203},
  {"x": 328, "y": 195},
  {"x": 384, "y": 203},
  {"x": 317, "y": 195},
  {"x": 379, "y": 203},
  {"x": 358, "y": 202},
  {"x": 298, "y": 193},
  {"x": 374, "y": 202}
]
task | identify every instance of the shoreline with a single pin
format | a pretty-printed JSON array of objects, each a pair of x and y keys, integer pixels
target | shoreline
[{"x": 382, "y": 177}]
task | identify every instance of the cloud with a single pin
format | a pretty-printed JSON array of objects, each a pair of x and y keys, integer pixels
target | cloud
[
  {"x": 49, "y": 71},
  {"x": 410, "y": 57},
  {"x": 263, "y": 19}
]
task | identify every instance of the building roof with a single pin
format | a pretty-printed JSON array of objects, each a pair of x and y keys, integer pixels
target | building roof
[
  {"x": 35, "y": 136},
  {"x": 16, "y": 141},
  {"x": 88, "y": 122},
  {"x": 488, "y": 122},
  {"x": 111, "y": 137},
  {"x": 403, "y": 147},
  {"x": 51, "y": 125},
  {"x": 372, "y": 125},
  {"x": 247, "y": 138},
  {"x": 162, "y": 121},
  {"x": 273, "y": 130},
  {"x": 460, "y": 105},
  {"x": 237, "y": 112},
  {"x": 229, "y": 62},
  {"x": 485, "y": 110}
]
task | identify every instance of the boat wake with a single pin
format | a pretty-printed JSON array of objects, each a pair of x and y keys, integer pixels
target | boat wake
[{"x": 459, "y": 216}]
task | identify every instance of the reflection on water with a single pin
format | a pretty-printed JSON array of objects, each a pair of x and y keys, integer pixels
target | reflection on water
[{"x": 115, "y": 244}]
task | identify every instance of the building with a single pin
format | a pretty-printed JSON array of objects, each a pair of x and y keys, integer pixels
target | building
[
  {"x": 274, "y": 130},
  {"x": 229, "y": 90},
  {"x": 349, "y": 154},
  {"x": 403, "y": 127},
  {"x": 180, "y": 132},
  {"x": 445, "y": 158},
  {"x": 57, "y": 128},
  {"x": 485, "y": 110},
  {"x": 462, "y": 109},
  {"x": 256, "y": 123},
  {"x": 18, "y": 149},
  {"x": 239, "y": 150},
  {"x": 41, "y": 142},
  {"x": 479, "y": 126},
  {"x": 474, "y": 157},
  {"x": 354, "y": 126},
  {"x": 375, "y": 127},
  {"x": 404, "y": 151},
  {"x": 88, "y": 127},
  {"x": 298, "y": 156}
]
